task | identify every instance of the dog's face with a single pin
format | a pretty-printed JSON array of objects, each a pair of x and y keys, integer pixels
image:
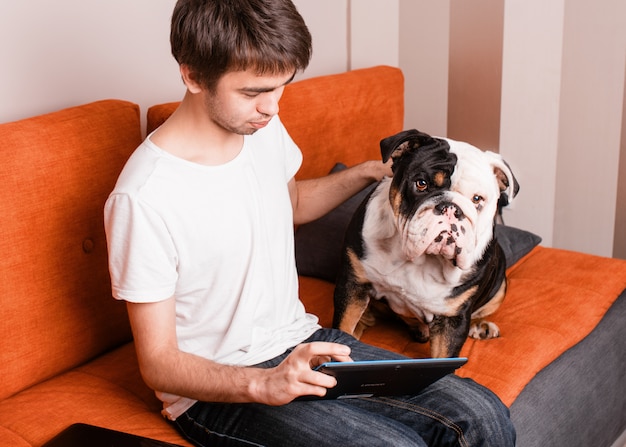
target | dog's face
[{"x": 444, "y": 195}]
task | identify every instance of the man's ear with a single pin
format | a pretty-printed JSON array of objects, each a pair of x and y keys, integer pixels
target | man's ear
[{"x": 189, "y": 79}]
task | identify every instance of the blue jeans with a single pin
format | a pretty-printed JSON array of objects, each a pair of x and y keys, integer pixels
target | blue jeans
[{"x": 452, "y": 411}]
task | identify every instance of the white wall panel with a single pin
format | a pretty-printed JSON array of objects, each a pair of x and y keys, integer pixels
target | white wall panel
[
  {"x": 531, "y": 89},
  {"x": 328, "y": 23},
  {"x": 374, "y": 33},
  {"x": 590, "y": 125},
  {"x": 424, "y": 59}
]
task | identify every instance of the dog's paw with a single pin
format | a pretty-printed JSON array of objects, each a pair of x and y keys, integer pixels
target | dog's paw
[
  {"x": 482, "y": 329},
  {"x": 368, "y": 319}
]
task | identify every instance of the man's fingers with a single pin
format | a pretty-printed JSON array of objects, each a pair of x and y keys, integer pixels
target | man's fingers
[{"x": 323, "y": 348}]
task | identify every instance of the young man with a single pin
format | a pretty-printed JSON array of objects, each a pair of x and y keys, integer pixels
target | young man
[{"x": 200, "y": 234}]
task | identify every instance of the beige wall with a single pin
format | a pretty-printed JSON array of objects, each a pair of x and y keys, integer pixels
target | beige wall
[
  {"x": 542, "y": 81},
  {"x": 474, "y": 85},
  {"x": 619, "y": 244},
  {"x": 562, "y": 117},
  {"x": 61, "y": 53},
  {"x": 67, "y": 52},
  {"x": 590, "y": 125},
  {"x": 424, "y": 49},
  {"x": 372, "y": 33},
  {"x": 531, "y": 94}
]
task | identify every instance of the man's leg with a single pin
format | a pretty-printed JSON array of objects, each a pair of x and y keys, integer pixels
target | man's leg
[
  {"x": 452, "y": 411},
  {"x": 302, "y": 424}
]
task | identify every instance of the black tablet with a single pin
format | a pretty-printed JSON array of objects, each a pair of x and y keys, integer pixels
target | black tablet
[{"x": 385, "y": 377}]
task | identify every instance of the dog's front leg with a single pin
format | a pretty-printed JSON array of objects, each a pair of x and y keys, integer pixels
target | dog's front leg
[
  {"x": 351, "y": 301},
  {"x": 447, "y": 335}
]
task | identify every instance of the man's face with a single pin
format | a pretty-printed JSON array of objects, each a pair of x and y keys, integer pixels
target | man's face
[{"x": 244, "y": 102}]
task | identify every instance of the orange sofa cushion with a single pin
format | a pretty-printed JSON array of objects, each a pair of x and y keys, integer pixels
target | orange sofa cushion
[
  {"x": 57, "y": 170},
  {"x": 554, "y": 300},
  {"x": 107, "y": 392}
]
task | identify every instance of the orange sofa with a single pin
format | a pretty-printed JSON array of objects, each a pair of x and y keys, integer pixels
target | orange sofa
[{"x": 67, "y": 354}]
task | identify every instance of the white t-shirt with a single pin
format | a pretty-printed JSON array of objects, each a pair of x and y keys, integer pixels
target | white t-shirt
[{"x": 219, "y": 239}]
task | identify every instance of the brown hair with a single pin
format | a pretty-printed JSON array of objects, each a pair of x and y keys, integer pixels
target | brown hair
[{"x": 213, "y": 37}]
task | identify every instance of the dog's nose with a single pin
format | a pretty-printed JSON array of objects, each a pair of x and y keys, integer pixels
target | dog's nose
[{"x": 449, "y": 208}]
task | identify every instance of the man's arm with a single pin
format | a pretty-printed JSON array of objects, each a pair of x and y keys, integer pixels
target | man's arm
[
  {"x": 313, "y": 198},
  {"x": 167, "y": 369}
]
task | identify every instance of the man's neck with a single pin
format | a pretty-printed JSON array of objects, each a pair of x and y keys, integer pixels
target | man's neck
[{"x": 191, "y": 135}]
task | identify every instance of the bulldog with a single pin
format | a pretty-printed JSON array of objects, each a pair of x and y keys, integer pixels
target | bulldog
[{"x": 422, "y": 244}]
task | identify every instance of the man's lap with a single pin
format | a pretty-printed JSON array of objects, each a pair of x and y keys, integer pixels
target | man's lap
[{"x": 449, "y": 412}]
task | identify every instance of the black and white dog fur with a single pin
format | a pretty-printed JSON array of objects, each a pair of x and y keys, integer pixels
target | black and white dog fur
[{"x": 422, "y": 244}]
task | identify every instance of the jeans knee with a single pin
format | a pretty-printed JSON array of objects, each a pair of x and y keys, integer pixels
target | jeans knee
[{"x": 489, "y": 422}]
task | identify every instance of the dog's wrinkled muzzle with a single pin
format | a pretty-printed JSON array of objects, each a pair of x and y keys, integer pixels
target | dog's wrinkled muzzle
[{"x": 442, "y": 230}]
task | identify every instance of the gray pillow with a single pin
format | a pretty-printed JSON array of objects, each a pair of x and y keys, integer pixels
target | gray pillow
[
  {"x": 515, "y": 242},
  {"x": 319, "y": 243}
]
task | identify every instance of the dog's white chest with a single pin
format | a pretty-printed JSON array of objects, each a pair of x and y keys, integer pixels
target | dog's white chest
[
  {"x": 412, "y": 289},
  {"x": 419, "y": 288}
]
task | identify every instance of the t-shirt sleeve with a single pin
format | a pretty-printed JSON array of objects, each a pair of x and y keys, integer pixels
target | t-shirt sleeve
[
  {"x": 142, "y": 256},
  {"x": 293, "y": 154}
]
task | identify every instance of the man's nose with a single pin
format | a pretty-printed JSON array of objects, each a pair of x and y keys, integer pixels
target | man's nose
[{"x": 269, "y": 103}]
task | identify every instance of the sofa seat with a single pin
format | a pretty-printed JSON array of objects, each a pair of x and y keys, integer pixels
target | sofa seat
[
  {"x": 536, "y": 328},
  {"x": 106, "y": 392}
]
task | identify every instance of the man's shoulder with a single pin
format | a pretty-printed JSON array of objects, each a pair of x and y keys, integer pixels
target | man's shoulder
[{"x": 138, "y": 169}]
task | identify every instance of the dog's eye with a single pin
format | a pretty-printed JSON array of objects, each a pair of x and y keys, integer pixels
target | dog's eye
[
  {"x": 421, "y": 185},
  {"x": 477, "y": 199}
]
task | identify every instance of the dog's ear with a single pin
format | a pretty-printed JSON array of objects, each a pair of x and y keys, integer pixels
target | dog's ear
[
  {"x": 508, "y": 184},
  {"x": 395, "y": 145},
  {"x": 397, "y": 142}
]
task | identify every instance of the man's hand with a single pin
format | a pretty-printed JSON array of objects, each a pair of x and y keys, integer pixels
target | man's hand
[{"x": 295, "y": 376}]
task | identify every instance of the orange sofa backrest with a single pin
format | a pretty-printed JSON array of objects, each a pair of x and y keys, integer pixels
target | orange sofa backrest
[
  {"x": 334, "y": 118},
  {"x": 57, "y": 171}
]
